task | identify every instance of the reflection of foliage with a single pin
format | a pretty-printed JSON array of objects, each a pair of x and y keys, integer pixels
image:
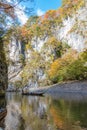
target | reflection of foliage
[
  {"x": 2, "y": 103},
  {"x": 68, "y": 115},
  {"x": 2, "y": 93}
]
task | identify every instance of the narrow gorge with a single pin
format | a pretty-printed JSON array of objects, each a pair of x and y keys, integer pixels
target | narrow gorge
[{"x": 35, "y": 52}]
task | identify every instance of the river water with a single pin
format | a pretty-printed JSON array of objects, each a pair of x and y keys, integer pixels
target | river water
[{"x": 55, "y": 112}]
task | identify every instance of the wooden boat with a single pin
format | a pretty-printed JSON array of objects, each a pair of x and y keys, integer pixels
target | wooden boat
[{"x": 34, "y": 93}]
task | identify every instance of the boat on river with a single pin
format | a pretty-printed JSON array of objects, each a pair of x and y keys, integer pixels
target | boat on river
[{"x": 34, "y": 91}]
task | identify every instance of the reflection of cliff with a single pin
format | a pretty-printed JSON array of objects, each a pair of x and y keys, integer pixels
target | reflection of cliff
[
  {"x": 28, "y": 113},
  {"x": 35, "y": 114},
  {"x": 12, "y": 120},
  {"x": 3, "y": 67},
  {"x": 68, "y": 115}
]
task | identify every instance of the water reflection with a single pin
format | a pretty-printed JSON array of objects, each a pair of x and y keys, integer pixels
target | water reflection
[
  {"x": 2, "y": 103},
  {"x": 45, "y": 113},
  {"x": 69, "y": 115},
  {"x": 3, "y": 111},
  {"x": 28, "y": 113}
]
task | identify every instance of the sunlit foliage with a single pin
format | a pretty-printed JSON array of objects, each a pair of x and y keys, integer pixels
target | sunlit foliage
[{"x": 69, "y": 67}]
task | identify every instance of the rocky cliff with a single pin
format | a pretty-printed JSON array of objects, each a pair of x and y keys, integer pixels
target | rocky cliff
[{"x": 37, "y": 46}]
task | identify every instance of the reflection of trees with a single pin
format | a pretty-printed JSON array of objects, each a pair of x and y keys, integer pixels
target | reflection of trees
[
  {"x": 2, "y": 103},
  {"x": 68, "y": 115},
  {"x": 39, "y": 113}
]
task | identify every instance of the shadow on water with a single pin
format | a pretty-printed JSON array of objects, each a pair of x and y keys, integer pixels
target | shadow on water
[
  {"x": 3, "y": 111},
  {"x": 55, "y": 112}
]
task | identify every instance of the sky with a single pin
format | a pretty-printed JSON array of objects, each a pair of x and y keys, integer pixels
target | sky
[
  {"x": 39, "y": 6},
  {"x": 45, "y": 5}
]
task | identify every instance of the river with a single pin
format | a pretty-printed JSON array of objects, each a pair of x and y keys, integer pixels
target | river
[{"x": 55, "y": 112}]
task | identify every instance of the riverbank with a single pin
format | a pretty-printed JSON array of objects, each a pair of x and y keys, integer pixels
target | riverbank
[{"x": 75, "y": 86}]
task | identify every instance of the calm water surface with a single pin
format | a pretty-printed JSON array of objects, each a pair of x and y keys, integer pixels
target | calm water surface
[{"x": 56, "y": 112}]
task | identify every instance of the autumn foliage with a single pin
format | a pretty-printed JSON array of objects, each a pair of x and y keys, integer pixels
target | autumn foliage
[{"x": 70, "y": 66}]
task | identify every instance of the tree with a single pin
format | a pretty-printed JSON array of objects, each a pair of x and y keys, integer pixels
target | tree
[{"x": 7, "y": 12}]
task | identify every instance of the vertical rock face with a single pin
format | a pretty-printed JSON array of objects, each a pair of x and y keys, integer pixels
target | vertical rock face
[
  {"x": 16, "y": 48},
  {"x": 3, "y": 68},
  {"x": 16, "y": 56},
  {"x": 73, "y": 29}
]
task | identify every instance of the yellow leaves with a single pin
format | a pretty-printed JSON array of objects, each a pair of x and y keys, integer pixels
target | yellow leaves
[
  {"x": 52, "y": 41},
  {"x": 50, "y": 14},
  {"x": 23, "y": 31},
  {"x": 81, "y": 3},
  {"x": 62, "y": 63},
  {"x": 83, "y": 55},
  {"x": 28, "y": 46},
  {"x": 55, "y": 66}
]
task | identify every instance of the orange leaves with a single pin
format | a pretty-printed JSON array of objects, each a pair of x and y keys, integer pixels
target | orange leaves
[
  {"x": 26, "y": 33},
  {"x": 46, "y": 16},
  {"x": 59, "y": 11},
  {"x": 23, "y": 31},
  {"x": 75, "y": 2},
  {"x": 51, "y": 14}
]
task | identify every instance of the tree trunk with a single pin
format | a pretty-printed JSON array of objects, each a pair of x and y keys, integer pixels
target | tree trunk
[{"x": 3, "y": 69}]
